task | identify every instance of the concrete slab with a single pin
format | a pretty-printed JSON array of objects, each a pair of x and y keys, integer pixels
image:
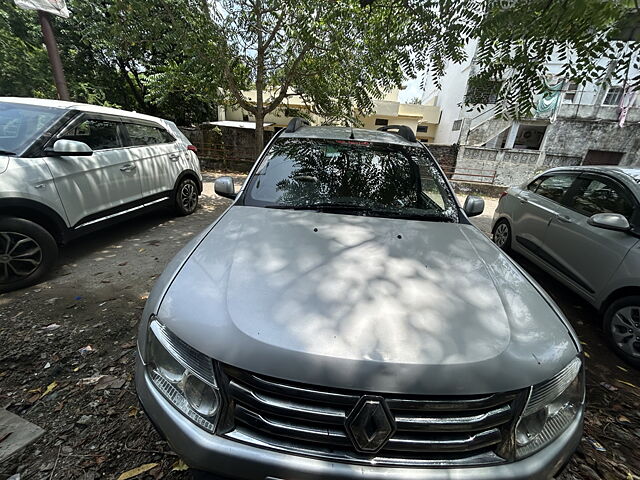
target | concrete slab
[{"x": 16, "y": 433}]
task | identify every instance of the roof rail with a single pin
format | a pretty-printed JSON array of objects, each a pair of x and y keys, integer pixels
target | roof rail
[
  {"x": 295, "y": 124},
  {"x": 401, "y": 130}
]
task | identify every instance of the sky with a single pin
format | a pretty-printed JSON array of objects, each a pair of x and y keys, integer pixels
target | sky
[{"x": 413, "y": 90}]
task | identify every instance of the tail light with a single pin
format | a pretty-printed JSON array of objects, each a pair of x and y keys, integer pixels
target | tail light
[
  {"x": 502, "y": 195},
  {"x": 192, "y": 148}
]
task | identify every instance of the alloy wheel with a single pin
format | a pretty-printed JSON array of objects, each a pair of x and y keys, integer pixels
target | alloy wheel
[
  {"x": 501, "y": 234},
  {"x": 20, "y": 256},
  {"x": 625, "y": 330},
  {"x": 189, "y": 197}
]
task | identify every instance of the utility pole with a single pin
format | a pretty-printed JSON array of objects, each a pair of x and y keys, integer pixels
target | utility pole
[{"x": 54, "y": 55}]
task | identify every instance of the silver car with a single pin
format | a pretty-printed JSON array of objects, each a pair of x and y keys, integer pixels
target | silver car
[
  {"x": 344, "y": 320},
  {"x": 582, "y": 225}
]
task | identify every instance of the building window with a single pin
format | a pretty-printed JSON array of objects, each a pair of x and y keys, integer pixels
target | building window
[
  {"x": 422, "y": 128},
  {"x": 482, "y": 92},
  {"x": 456, "y": 125},
  {"x": 382, "y": 121},
  {"x": 613, "y": 96},
  {"x": 245, "y": 118},
  {"x": 570, "y": 96},
  {"x": 529, "y": 137}
]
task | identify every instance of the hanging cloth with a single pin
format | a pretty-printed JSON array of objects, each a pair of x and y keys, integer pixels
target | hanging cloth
[
  {"x": 626, "y": 101},
  {"x": 550, "y": 100}
]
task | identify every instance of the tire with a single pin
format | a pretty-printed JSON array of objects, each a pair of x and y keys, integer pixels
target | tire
[
  {"x": 186, "y": 197},
  {"x": 27, "y": 253},
  {"x": 502, "y": 235},
  {"x": 624, "y": 314}
]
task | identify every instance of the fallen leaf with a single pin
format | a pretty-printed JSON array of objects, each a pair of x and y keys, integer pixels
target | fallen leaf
[
  {"x": 179, "y": 466},
  {"x": 136, "y": 471},
  {"x": 622, "y": 368},
  {"x": 623, "y": 419},
  {"x": 50, "y": 388},
  {"x": 628, "y": 384},
  {"x": 133, "y": 411},
  {"x": 586, "y": 354}
]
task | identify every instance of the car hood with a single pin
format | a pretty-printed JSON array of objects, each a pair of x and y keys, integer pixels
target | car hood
[{"x": 375, "y": 304}]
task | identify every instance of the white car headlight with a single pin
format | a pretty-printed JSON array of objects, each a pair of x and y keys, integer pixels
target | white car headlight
[
  {"x": 183, "y": 375},
  {"x": 550, "y": 409}
]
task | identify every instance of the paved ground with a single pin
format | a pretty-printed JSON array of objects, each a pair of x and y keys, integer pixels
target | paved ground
[{"x": 68, "y": 347}]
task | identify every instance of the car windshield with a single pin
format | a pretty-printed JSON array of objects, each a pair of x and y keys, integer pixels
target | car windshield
[
  {"x": 21, "y": 125},
  {"x": 352, "y": 177}
]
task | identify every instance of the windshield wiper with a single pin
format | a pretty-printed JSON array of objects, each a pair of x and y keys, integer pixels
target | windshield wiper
[
  {"x": 325, "y": 207},
  {"x": 6, "y": 152},
  {"x": 367, "y": 211}
]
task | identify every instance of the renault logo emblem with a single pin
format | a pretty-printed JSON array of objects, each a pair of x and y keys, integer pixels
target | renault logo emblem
[{"x": 370, "y": 424}]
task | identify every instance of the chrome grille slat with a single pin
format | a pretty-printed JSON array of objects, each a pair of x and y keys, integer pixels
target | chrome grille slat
[
  {"x": 466, "y": 444},
  {"x": 281, "y": 427},
  {"x": 449, "y": 404},
  {"x": 310, "y": 420},
  {"x": 456, "y": 423},
  {"x": 291, "y": 408}
]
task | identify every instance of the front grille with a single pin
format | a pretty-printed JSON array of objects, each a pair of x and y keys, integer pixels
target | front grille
[{"x": 310, "y": 420}]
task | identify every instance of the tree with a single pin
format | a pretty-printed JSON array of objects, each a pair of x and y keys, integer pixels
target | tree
[
  {"x": 594, "y": 40},
  {"x": 137, "y": 54},
  {"x": 338, "y": 55}
]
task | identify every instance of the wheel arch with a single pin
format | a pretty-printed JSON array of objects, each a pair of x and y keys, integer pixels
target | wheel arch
[
  {"x": 189, "y": 174},
  {"x": 617, "y": 294},
  {"x": 36, "y": 212}
]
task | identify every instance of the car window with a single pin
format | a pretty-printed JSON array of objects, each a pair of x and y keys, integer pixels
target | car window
[
  {"x": 99, "y": 134},
  {"x": 535, "y": 184},
  {"x": 554, "y": 187},
  {"x": 21, "y": 125},
  {"x": 600, "y": 196},
  {"x": 390, "y": 180},
  {"x": 143, "y": 135}
]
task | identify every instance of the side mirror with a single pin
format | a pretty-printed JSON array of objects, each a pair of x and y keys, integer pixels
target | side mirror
[
  {"x": 473, "y": 206},
  {"x": 609, "y": 221},
  {"x": 223, "y": 186},
  {"x": 69, "y": 147}
]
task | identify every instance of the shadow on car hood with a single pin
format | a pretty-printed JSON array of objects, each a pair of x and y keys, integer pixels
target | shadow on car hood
[{"x": 375, "y": 304}]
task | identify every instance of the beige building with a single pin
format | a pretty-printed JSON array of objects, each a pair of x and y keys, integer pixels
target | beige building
[{"x": 422, "y": 119}]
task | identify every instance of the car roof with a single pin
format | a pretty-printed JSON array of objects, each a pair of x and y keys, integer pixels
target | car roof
[
  {"x": 84, "y": 107},
  {"x": 633, "y": 172},
  {"x": 344, "y": 133}
]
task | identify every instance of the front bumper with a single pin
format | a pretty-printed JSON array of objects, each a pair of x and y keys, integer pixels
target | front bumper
[{"x": 234, "y": 460}]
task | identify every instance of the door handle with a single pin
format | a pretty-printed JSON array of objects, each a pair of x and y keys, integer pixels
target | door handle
[
  {"x": 128, "y": 168},
  {"x": 564, "y": 218},
  {"x": 523, "y": 199}
]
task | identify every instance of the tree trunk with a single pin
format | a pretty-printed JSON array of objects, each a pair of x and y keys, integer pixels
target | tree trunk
[
  {"x": 259, "y": 131},
  {"x": 259, "y": 81}
]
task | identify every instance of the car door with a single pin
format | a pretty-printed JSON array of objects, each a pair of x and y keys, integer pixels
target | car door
[
  {"x": 92, "y": 187},
  {"x": 160, "y": 156},
  {"x": 538, "y": 205},
  {"x": 586, "y": 255}
]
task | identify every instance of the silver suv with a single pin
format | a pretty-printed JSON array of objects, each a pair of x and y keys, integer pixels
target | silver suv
[
  {"x": 67, "y": 169},
  {"x": 344, "y": 320},
  {"x": 582, "y": 225}
]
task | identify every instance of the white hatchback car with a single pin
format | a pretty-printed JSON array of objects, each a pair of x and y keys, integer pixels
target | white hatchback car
[{"x": 68, "y": 168}]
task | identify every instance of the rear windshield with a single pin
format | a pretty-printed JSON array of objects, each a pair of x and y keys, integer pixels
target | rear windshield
[
  {"x": 21, "y": 125},
  {"x": 388, "y": 179}
]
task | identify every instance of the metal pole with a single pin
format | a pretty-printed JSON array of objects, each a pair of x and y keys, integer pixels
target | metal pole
[{"x": 54, "y": 55}]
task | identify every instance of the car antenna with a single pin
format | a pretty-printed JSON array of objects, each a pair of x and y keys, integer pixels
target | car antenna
[{"x": 351, "y": 137}]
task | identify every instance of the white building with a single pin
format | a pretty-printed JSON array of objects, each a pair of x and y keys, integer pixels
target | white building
[{"x": 582, "y": 127}]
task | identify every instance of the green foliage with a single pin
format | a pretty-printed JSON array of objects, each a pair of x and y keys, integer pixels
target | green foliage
[
  {"x": 136, "y": 54},
  {"x": 24, "y": 68},
  {"x": 517, "y": 39}
]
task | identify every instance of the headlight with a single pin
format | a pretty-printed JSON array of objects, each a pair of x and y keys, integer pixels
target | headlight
[
  {"x": 183, "y": 375},
  {"x": 551, "y": 408}
]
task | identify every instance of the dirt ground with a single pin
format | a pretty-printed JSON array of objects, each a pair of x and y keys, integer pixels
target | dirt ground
[{"x": 68, "y": 346}]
